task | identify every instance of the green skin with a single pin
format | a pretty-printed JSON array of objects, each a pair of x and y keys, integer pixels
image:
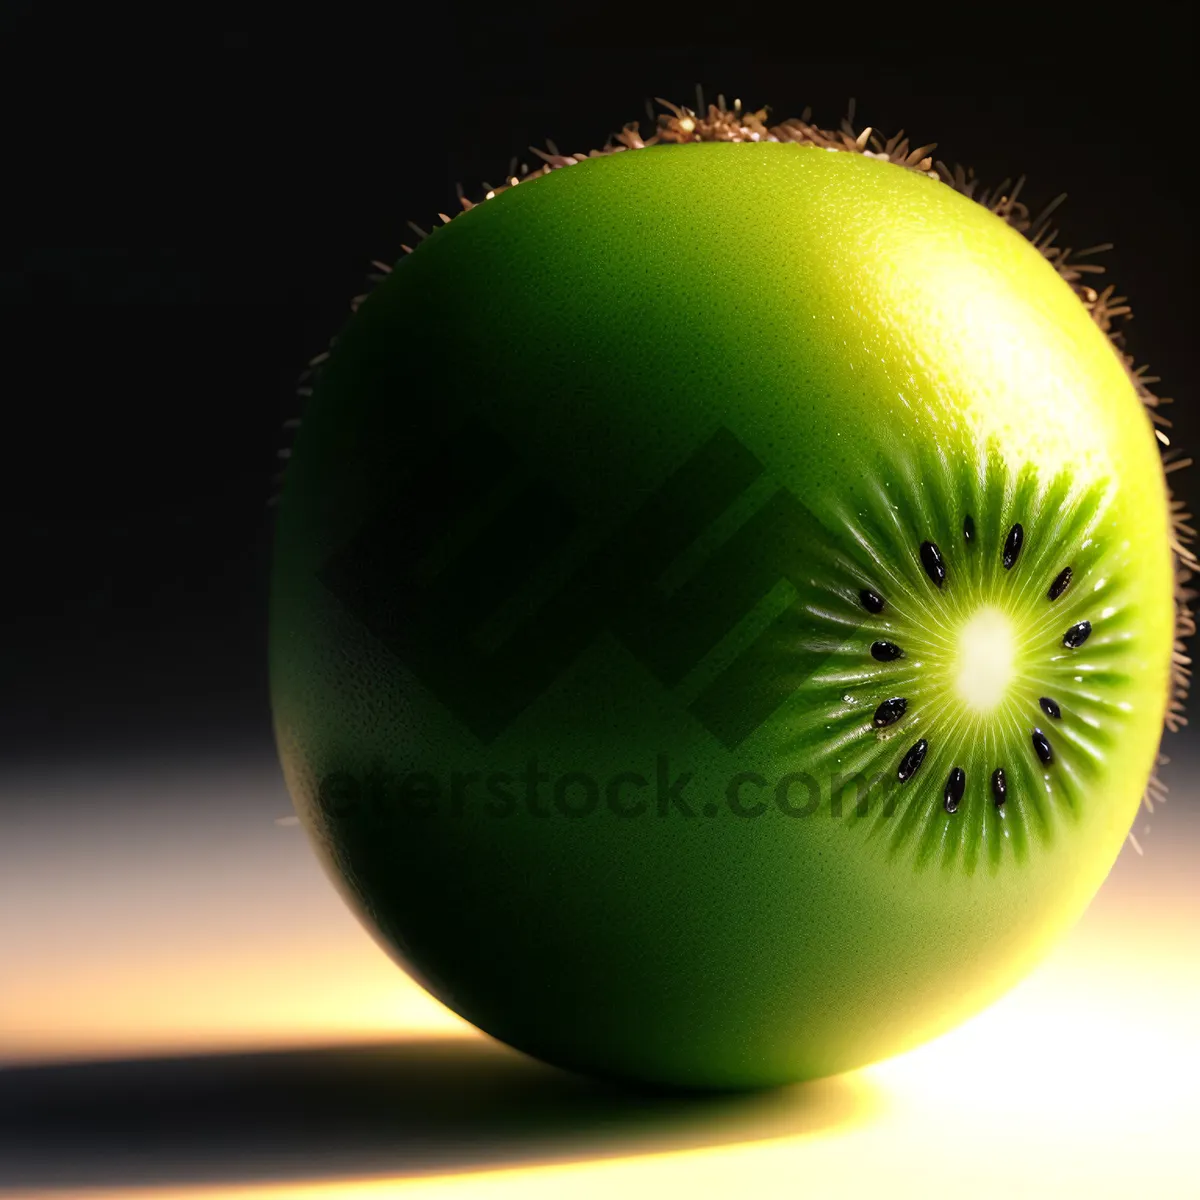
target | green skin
[{"x": 714, "y": 391}]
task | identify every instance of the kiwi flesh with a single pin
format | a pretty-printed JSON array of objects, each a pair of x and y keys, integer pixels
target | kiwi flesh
[{"x": 778, "y": 480}]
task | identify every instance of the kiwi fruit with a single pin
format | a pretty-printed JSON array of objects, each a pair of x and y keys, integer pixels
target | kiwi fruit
[{"x": 726, "y": 600}]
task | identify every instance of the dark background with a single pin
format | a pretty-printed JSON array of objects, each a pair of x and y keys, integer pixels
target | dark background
[{"x": 190, "y": 213}]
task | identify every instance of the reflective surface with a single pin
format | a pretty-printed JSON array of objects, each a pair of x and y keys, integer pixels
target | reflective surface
[{"x": 187, "y": 1008}]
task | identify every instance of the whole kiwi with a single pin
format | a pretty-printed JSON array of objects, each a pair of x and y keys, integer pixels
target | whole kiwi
[{"x": 726, "y": 602}]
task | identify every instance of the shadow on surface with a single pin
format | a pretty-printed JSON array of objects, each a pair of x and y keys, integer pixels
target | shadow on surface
[{"x": 438, "y": 1105}]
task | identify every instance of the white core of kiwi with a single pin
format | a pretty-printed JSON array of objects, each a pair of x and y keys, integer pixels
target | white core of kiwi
[{"x": 986, "y": 659}]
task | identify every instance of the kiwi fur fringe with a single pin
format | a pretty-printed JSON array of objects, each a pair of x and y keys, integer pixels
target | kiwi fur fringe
[{"x": 718, "y": 122}]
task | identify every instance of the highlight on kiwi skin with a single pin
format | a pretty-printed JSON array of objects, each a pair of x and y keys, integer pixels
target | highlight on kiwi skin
[{"x": 991, "y": 575}]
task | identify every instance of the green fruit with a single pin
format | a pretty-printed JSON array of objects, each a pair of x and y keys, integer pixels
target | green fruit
[{"x": 723, "y": 610}]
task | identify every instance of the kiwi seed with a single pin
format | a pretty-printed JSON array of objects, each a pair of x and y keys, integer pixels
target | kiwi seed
[
  {"x": 911, "y": 761},
  {"x": 931, "y": 560},
  {"x": 889, "y": 712},
  {"x": 999, "y": 787},
  {"x": 1050, "y": 708},
  {"x": 955, "y": 786},
  {"x": 1042, "y": 745},
  {"x": 1077, "y": 635},
  {"x": 1062, "y": 581},
  {"x": 1012, "y": 546},
  {"x": 886, "y": 651},
  {"x": 872, "y": 601},
  {"x": 968, "y": 529}
]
